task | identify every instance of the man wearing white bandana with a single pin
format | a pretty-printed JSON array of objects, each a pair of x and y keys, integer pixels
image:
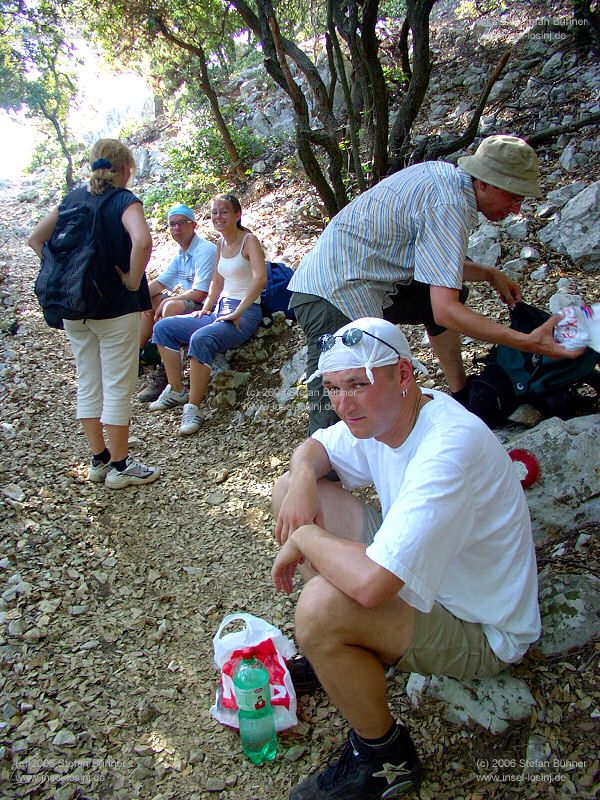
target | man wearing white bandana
[{"x": 442, "y": 582}]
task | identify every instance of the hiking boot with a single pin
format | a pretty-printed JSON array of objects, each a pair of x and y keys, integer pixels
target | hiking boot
[
  {"x": 191, "y": 420},
  {"x": 304, "y": 678},
  {"x": 169, "y": 399},
  {"x": 97, "y": 472},
  {"x": 134, "y": 474},
  {"x": 155, "y": 387},
  {"x": 365, "y": 773}
]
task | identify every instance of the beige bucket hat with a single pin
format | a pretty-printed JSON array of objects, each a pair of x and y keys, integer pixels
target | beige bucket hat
[{"x": 506, "y": 162}]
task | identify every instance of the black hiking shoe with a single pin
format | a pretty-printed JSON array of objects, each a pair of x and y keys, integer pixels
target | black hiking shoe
[
  {"x": 366, "y": 773},
  {"x": 304, "y": 678}
]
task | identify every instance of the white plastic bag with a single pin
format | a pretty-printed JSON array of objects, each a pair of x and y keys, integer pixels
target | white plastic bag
[{"x": 273, "y": 649}]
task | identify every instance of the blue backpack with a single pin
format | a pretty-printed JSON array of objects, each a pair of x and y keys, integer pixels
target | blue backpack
[{"x": 276, "y": 296}]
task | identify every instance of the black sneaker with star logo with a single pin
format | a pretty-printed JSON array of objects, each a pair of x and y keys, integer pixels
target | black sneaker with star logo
[{"x": 360, "y": 772}]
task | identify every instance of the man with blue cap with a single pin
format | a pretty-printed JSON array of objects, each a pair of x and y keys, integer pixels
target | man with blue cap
[
  {"x": 442, "y": 581},
  {"x": 191, "y": 272}
]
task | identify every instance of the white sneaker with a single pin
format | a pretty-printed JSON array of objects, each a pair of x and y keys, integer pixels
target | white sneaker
[
  {"x": 97, "y": 473},
  {"x": 134, "y": 474},
  {"x": 191, "y": 420},
  {"x": 169, "y": 399}
]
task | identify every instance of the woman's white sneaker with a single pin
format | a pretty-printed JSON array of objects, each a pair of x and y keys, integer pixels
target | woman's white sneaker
[
  {"x": 134, "y": 474},
  {"x": 97, "y": 472},
  {"x": 169, "y": 399},
  {"x": 191, "y": 420}
]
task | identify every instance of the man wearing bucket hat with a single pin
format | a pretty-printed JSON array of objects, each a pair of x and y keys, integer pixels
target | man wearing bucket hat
[
  {"x": 398, "y": 251},
  {"x": 191, "y": 272},
  {"x": 442, "y": 582}
]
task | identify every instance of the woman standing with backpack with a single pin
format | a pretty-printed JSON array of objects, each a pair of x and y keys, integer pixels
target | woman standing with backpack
[{"x": 105, "y": 345}]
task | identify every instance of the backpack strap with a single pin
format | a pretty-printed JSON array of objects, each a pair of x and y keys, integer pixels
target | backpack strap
[{"x": 103, "y": 202}]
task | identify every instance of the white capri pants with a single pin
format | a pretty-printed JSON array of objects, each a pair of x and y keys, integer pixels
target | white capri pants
[{"x": 106, "y": 354}]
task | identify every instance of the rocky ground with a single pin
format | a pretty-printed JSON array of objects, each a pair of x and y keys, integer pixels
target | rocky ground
[{"x": 110, "y": 600}]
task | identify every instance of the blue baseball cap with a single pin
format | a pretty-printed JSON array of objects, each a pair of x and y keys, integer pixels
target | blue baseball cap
[{"x": 184, "y": 211}]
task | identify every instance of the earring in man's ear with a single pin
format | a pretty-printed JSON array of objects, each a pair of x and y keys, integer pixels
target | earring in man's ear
[{"x": 404, "y": 392}]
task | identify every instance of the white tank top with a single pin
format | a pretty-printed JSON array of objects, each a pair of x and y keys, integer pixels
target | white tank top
[{"x": 237, "y": 273}]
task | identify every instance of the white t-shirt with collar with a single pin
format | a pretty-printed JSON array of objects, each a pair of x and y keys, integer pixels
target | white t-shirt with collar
[{"x": 456, "y": 526}]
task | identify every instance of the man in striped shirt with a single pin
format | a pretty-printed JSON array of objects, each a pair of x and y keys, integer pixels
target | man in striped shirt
[{"x": 398, "y": 251}]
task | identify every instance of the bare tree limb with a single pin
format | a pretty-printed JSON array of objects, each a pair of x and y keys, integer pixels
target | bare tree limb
[
  {"x": 556, "y": 130},
  {"x": 432, "y": 150}
]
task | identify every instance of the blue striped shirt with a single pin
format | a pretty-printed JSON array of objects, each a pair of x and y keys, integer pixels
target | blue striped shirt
[
  {"x": 414, "y": 224},
  {"x": 192, "y": 268}
]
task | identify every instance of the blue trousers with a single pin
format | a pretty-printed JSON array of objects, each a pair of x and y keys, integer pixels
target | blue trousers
[{"x": 205, "y": 337}]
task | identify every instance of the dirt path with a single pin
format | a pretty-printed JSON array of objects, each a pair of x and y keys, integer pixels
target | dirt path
[
  {"x": 111, "y": 599},
  {"x": 118, "y": 594}
]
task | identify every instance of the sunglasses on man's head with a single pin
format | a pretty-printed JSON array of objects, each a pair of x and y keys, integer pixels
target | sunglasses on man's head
[{"x": 350, "y": 337}]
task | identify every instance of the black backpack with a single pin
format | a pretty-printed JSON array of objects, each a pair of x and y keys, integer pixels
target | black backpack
[
  {"x": 276, "y": 296},
  {"x": 510, "y": 377},
  {"x": 70, "y": 280}
]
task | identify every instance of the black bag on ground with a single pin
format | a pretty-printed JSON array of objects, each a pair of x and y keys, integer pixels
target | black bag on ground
[
  {"x": 511, "y": 377},
  {"x": 69, "y": 283}
]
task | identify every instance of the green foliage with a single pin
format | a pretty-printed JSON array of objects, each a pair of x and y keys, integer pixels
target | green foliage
[
  {"x": 37, "y": 66},
  {"x": 198, "y": 167},
  {"x": 469, "y": 9},
  {"x": 394, "y": 76},
  {"x": 392, "y": 9},
  {"x": 45, "y": 154}
]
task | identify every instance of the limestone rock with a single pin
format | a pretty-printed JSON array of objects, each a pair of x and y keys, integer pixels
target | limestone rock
[
  {"x": 291, "y": 373},
  {"x": 483, "y": 245},
  {"x": 567, "y": 491},
  {"x": 577, "y": 230},
  {"x": 560, "y": 197},
  {"x": 490, "y": 702},
  {"x": 570, "y": 608},
  {"x": 516, "y": 227}
]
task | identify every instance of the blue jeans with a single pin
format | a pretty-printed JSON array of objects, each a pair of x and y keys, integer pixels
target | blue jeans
[{"x": 205, "y": 337}]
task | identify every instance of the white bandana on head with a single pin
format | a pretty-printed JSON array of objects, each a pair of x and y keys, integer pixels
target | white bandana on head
[{"x": 385, "y": 345}]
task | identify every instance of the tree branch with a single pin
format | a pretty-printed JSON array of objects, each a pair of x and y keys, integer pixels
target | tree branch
[
  {"x": 431, "y": 151},
  {"x": 556, "y": 130}
]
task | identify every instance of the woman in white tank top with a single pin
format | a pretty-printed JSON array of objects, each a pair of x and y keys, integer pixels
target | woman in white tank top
[{"x": 230, "y": 314}]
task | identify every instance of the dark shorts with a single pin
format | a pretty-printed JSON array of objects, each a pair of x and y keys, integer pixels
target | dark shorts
[
  {"x": 411, "y": 305},
  {"x": 189, "y": 305},
  {"x": 317, "y": 316}
]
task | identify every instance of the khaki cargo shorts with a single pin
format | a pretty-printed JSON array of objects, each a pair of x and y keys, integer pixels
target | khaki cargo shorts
[{"x": 442, "y": 644}]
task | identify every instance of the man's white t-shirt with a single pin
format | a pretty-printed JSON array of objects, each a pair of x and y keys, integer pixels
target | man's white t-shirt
[{"x": 456, "y": 527}]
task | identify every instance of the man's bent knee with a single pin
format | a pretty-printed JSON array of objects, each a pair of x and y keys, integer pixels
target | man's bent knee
[
  {"x": 320, "y": 607},
  {"x": 173, "y": 308}
]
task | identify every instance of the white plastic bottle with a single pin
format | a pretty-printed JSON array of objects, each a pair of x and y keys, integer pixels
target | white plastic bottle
[{"x": 579, "y": 327}]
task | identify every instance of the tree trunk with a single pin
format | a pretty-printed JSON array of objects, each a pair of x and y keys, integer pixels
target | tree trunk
[
  {"x": 378, "y": 89},
  {"x": 587, "y": 23},
  {"x": 418, "y": 15},
  {"x": 275, "y": 49},
  {"x": 352, "y": 126},
  {"x": 432, "y": 149},
  {"x": 53, "y": 119},
  {"x": 211, "y": 95}
]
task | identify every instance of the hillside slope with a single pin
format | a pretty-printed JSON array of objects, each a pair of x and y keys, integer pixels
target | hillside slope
[{"x": 110, "y": 600}]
